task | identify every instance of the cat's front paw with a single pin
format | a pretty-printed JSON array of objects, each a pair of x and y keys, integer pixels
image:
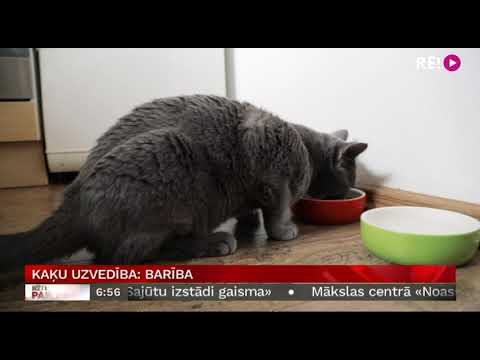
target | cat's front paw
[{"x": 284, "y": 232}]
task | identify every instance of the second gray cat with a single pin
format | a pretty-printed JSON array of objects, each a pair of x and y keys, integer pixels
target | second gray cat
[{"x": 167, "y": 175}]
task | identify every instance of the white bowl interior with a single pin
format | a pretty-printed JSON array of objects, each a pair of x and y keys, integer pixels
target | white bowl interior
[{"x": 421, "y": 220}]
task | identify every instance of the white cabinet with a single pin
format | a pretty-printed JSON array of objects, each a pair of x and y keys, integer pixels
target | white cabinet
[{"x": 84, "y": 91}]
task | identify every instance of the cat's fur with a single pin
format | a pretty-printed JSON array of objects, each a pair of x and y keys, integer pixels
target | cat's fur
[{"x": 165, "y": 176}]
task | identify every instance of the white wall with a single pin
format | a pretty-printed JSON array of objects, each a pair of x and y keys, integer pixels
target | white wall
[
  {"x": 423, "y": 127},
  {"x": 84, "y": 91}
]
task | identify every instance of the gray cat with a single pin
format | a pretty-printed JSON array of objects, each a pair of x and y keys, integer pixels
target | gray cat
[{"x": 166, "y": 176}]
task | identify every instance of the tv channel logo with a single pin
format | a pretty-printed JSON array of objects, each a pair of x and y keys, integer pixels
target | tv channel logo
[
  {"x": 57, "y": 292},
  {"x": 450, "y": 63}
]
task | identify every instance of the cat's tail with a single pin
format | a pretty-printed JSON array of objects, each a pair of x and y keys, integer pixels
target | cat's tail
[{"x": 52, "y": 239}]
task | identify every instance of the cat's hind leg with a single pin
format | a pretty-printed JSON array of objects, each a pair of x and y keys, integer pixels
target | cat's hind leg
[
  {"x": 140, "y": 248},
  {"x": 221, "y": 242}
]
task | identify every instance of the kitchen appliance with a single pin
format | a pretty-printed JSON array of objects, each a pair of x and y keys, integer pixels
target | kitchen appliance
[
  {"x": 22, "y": 154},
  {"x": 85, "y": 91},
  {"x": 16, "y": 74}
]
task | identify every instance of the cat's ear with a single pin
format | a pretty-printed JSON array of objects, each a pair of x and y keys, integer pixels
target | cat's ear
[
  {"x": 341, "y": 134},
  {"x": 352, "y": 150}
]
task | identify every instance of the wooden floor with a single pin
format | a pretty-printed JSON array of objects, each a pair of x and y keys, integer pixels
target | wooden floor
[{"x": 21, "y": 209}]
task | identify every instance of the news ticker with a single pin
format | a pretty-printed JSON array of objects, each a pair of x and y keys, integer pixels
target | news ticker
[
  {"x": 222, "y": 292},
  {"x": 239, "y": 282}
]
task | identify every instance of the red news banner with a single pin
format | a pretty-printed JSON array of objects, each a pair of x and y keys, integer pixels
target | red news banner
[
  {"x": 90, "y": 274},
  {"x": 239, "y": 282}
]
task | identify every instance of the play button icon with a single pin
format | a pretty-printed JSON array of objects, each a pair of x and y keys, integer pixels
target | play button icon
[{"x": 451, "y": 62}]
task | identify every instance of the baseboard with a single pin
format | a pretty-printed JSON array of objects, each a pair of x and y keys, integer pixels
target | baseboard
[
  {"x": 384, "y": 196},
  {"x": 69, "y": 161}
]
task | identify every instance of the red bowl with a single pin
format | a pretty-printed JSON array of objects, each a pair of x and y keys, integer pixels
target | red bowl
[{"x": 331, "y": 212}]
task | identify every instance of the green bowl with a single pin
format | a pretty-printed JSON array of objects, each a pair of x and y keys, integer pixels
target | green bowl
[{"x": 410, "y": 235}]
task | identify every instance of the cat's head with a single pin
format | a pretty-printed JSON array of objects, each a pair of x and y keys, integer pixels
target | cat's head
[{"x": 333, "y": 161}]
